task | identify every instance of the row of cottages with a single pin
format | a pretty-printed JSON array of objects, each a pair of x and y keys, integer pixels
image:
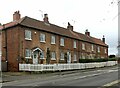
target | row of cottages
[{"x": 27, "y": 40}]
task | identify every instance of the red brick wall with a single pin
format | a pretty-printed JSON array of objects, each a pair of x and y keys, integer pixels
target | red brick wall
[
  {"x": 3, "y": 46},
  {"x": 35, "y": 42},
  {"x": 16, "y": 45},
  {"x": 0, "y": 43},
  {"x": 12, "y": 47}
]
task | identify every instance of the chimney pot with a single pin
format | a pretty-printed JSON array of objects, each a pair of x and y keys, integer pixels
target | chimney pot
[{"x": 16, "y": 16}]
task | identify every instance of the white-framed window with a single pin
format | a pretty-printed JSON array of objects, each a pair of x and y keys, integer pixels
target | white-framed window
[
  {"x": 62, "y": 42},
  {"x": 74, "y": 44},
  {"x": 105, "y": 50},
  {"x": 83, "y": 56},
  {"x": 92, "y": 47},
  {"x": 75, "y": 57},
  {"x": 98, "y": 49},
  {"x": 27, "y": 53},
  {"x": 42, "y": 55},
  {"x": 28, "y": 35},
  {"x": 52, "y": 39},
  {"x": 61, "y": 56},
  {"x": 53, "y": 56},
  {"x": 42, "y": 37},
  {"x": 83, "y": 46}
]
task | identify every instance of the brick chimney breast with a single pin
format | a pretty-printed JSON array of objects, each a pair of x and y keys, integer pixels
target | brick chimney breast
[
  {"x": 46, "y": 18},
  {"x": 70, "y": 27},
  {"x": 87, "y": 32},
  {"x": 16, "y": 16},
  {"x": 103, "y": 39}
]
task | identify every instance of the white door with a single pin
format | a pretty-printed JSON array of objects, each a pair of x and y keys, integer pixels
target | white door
[
  {"x": 35, "y": 57},
  {"x": 68, "y": 57}
]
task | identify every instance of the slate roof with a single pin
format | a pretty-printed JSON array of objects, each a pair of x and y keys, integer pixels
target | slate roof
[{"x": 40, "y": 25}]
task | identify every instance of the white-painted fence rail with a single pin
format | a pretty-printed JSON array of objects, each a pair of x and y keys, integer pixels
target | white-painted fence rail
[{"x": 59, "y": 67}]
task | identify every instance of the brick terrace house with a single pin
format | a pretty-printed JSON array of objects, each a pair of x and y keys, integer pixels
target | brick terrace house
[{"x": 27, "y": 40}]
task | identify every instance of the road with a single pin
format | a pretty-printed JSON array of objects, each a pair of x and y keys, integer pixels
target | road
[{"x": 95, "y": 77}]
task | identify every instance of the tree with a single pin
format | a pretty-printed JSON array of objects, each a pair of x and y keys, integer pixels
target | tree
[{"x": 48, "y": 56}]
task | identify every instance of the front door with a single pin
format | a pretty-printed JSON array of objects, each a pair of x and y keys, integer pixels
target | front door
[
  {"x": 35, "y": 57},
  {"x": 68, "y": 57}
]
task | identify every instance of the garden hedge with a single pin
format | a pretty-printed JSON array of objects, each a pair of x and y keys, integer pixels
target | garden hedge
[{"x": 97, "y": 60}]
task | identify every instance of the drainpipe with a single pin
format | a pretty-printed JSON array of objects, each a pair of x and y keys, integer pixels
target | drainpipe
[{"x": 6, "y": 45}]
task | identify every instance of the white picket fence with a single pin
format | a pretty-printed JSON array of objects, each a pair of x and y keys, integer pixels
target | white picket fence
[{"x": 59, "y": 67}]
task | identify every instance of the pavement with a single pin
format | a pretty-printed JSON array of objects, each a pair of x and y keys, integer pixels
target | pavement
[{"x": 13, "y": 76}]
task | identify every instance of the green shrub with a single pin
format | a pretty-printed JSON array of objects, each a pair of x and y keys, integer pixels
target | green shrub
[
  {"x": 112, "y": 59},
  {"x": 97, "y": 60}
]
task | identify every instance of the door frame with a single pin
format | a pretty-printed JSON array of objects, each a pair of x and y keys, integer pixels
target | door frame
[{"x": 38, "y": 50}]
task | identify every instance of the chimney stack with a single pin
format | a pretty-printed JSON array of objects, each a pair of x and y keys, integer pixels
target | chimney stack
[
  {"x": 46, "y": 18},
  {"x": 16, "y": 16},
  {"x": 70, "y": 27},
  {"x": 87, "y": 32},
  {"x": 103, "y": 39}
]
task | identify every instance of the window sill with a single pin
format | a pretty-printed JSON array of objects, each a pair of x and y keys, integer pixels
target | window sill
[
  {"x": 28, "y": 39},
  {"x": 42, "y": 58},
  {"x": 74, "y": 60},
  {"x": 28, "y": 57},
  {"x": 53, "y": 43},
  {"x": 62, "y": 59},
  {"x": 53, "y": 59},
  {"x": 61, "y": 45},
  {"x": 42, "y": 42}
]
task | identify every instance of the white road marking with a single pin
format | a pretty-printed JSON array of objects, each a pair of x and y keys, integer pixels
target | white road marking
[
  {"x": 112, "y": 83},
  {"x": 105, "y": 71}
]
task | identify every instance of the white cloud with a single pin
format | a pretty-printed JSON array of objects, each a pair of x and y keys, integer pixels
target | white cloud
[{"x": 94, "y": 15}]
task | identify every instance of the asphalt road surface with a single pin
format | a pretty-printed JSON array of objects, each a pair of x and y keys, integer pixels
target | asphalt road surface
[{"x": 97, "y": 77}]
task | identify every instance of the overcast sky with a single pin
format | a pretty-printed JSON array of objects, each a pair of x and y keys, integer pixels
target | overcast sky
[{"x": 100, "y": 17}]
